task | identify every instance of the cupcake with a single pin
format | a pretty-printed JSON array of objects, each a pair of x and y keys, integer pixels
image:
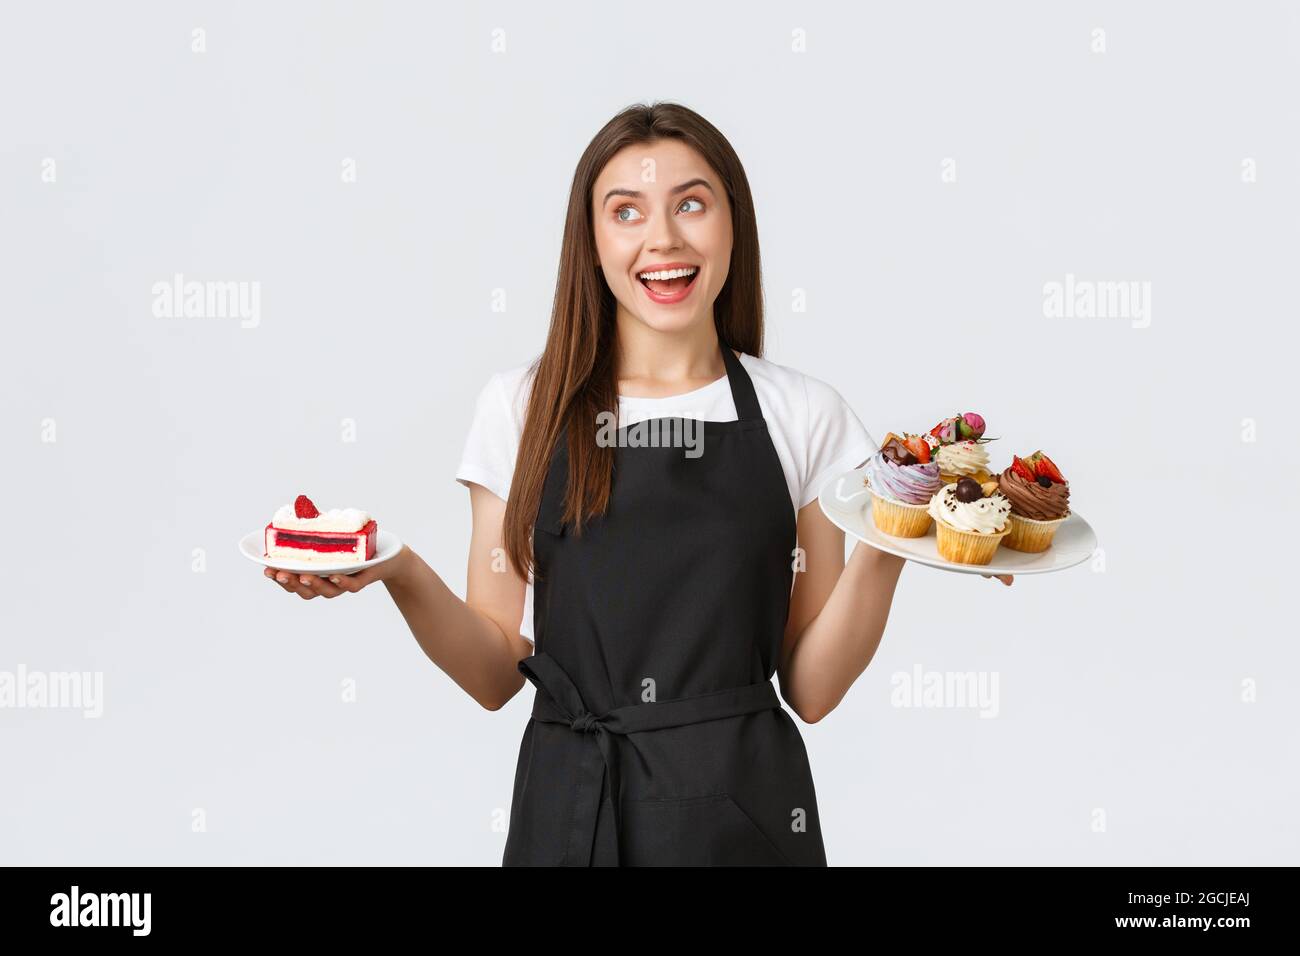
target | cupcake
[
  {"x": 902, "y": 480},
  {"x": 1040, "y": 501},
  {"x": 970, "y": 520},
  {"x": 960, "y": 452}
]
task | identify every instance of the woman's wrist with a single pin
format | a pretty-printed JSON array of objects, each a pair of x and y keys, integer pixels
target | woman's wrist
[
  {"x": 874, "y": 557},
  {"x": 399, "y": 570}
]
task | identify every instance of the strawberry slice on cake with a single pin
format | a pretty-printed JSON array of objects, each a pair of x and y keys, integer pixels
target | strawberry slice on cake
[{"x": 300, "y": 532}]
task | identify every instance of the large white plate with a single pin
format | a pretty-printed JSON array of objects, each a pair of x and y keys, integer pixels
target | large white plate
[
  {"x": 253, "y": 547},
  {"x": 847, "y": 502}
]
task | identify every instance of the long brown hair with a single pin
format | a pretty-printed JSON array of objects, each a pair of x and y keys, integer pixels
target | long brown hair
[{"x": 574, "y": 378}]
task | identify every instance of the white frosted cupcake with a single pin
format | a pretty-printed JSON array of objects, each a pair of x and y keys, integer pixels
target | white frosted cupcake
[
  {"x": 961, "y": 451},
  {"x": 970, "y": 520},
  {"x": 962, "y": 459}
]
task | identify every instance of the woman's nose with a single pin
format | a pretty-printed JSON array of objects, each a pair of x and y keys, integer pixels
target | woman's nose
[
  {"x": 665, "y": 237},
  {"x": 664, "y": 234}
]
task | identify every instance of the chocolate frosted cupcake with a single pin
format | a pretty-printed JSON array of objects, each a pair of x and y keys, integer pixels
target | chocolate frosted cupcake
[{"x": 1040, "y": 501}]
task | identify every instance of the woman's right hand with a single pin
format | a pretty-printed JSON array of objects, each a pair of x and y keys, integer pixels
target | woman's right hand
[{"x": 308, "y": 586}]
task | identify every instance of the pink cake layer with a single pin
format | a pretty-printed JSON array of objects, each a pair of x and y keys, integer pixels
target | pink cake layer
[{"x": 321, "y": 545}]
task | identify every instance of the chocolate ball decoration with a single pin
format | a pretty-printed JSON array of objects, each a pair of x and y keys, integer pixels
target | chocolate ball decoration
[
  {"x": 1044, "y": 481},
  {"x": 968, "y": 490}
]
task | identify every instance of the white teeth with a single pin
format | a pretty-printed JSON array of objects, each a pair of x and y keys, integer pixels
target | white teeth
[{"x": 669, "y": 274}]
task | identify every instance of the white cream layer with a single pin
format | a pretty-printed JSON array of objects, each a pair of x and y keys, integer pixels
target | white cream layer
[
  {"x": 307, "y": 556},
  {"x": 336, "y": 519}
]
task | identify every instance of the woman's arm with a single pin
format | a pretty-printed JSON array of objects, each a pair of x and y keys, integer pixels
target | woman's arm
[
  {"x": 475, "y": 641},
  {"x": 837, "y": 616}
]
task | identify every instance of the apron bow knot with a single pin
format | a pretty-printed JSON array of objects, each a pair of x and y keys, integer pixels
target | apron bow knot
[
  {"x": 585, "y": 722},
  {"x": 558, "y": 701}
]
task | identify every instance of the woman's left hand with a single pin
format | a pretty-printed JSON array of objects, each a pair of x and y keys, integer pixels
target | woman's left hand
[{"x": 1004, "y": 578}]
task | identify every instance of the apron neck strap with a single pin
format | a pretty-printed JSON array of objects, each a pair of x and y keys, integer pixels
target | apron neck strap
[{"x": 742, "y": 388}]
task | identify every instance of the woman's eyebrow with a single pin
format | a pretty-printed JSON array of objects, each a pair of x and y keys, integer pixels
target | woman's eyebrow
[{"x": 689, "y": 184}]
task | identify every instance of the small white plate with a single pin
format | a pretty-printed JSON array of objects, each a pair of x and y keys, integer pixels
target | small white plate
[
  {"x": 253, "y": 547},
  {"x": 847, "y": 502}
]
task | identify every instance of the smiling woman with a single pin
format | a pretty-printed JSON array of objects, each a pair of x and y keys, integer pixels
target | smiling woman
[
  {"x": 659, "y": 197},
  {"x": 662, "y": 599},
  {"x": 649, "y": 590}
]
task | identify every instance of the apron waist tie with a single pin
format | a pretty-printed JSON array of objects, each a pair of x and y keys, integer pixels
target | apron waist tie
[{"x": 558, "y": 702}]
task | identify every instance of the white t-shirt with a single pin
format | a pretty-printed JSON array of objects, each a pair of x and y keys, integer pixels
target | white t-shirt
[{"x": 816, "y": 434}]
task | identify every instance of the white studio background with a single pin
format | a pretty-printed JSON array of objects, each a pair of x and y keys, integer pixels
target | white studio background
[{"x": 922, "y": 173}]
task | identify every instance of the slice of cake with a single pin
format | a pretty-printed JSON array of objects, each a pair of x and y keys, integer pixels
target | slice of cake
[{"x": 301, "y": 533}]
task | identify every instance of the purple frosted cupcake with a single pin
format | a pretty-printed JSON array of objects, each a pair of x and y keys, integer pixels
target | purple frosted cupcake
[{"x": 902, "y": 480}]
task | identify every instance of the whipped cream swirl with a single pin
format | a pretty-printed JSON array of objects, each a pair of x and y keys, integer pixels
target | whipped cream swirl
[
  {"x": 984, "y": 515},
  {"x": 962, "y": 458}
]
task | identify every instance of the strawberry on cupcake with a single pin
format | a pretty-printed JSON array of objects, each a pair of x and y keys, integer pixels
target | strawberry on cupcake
[
  {"x": 1040, "y": 501},
  {"x": 960, "y": 452},
  {"x": 903, "y": 478}
]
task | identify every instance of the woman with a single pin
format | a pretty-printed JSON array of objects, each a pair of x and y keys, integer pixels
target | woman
[{"x": 672, "y": 571}]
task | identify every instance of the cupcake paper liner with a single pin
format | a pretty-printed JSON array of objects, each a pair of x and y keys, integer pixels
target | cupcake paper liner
[
  {"x": 967, "y": 547},
  {"x": 899, "y": 519},
  {"x": 1030, "y": 534}
]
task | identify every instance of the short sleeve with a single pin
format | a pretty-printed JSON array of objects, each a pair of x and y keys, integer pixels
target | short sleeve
[
  {"x": 837, "y": 441},
  {"x": 492, "y": 444}
]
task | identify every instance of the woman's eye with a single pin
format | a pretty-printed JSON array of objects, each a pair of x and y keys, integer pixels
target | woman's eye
[{"x": 632, "y": 214}]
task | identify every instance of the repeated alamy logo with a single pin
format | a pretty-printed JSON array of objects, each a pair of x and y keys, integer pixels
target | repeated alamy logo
[
  {"x": 1098, "y": 299},
  {"x": 181, "y": 299},
  {"x": 687, "y": 433},
  {"x": 970, "y": 690},
  {"x": 53, "y": 690},
  {"x": 76, "y": 908}
]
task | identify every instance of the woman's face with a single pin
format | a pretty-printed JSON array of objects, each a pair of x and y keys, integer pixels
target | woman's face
[{"x": 660, "y": 207}]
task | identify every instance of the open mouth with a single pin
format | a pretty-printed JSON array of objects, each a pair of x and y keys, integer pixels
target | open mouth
[{"x": 669, "y": 286}]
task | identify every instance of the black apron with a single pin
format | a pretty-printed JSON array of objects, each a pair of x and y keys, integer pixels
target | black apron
[{"x": 656, "y": 736}]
